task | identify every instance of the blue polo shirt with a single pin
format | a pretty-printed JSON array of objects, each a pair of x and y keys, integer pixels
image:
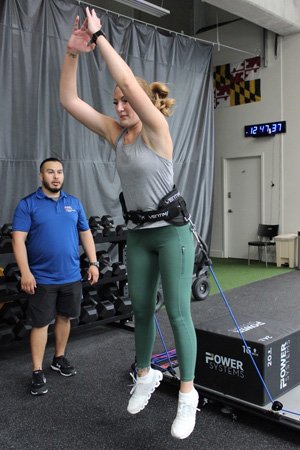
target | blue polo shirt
[{"x": 53, "y": 240}]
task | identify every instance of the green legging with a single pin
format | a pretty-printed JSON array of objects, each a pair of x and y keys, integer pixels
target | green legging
[{"x": 169, "y": 252}]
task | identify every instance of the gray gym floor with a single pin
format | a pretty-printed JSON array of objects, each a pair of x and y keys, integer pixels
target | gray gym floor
[{"x": 88, "y": 411}]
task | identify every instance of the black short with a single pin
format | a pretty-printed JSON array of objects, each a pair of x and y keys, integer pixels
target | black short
[{"x": 50, "y": 300}]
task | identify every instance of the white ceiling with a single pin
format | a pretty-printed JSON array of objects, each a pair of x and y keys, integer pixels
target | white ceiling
[{"x": 279, "y": 16}]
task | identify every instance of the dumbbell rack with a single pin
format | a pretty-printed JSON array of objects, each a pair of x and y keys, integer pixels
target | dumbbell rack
[
  {"x": 10, "y": 294},
  {"x": 11, "y": 300},
  {"x": 120, "y": 241}
]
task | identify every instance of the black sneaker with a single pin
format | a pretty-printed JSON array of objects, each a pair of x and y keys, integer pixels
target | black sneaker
[
  {"x": 38, "y": 383},
  {"x": 63, "y": 366}
]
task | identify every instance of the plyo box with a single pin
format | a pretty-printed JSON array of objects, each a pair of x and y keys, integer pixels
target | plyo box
[{"x": 224, "y": 364}]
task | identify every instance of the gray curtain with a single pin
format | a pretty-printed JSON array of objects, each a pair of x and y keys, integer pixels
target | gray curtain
[{"x": 34, "y": 126}]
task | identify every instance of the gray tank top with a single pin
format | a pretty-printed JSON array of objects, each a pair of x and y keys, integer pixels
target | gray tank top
[{"x": 145, "y": 177}]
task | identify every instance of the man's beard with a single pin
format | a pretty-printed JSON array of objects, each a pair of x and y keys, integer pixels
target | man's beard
[{"x": 52, "y": 189}]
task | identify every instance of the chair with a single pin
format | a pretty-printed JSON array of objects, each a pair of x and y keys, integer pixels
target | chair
[{"x": 265, "y": 240}]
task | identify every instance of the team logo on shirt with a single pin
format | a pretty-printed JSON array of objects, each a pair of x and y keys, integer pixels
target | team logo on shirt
[{"x": 69, "y": 209}]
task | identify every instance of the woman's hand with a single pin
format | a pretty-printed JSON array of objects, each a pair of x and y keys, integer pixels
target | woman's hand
[
  {"x": 94, "y": 23},
  {"x": 80, "y": 38}
]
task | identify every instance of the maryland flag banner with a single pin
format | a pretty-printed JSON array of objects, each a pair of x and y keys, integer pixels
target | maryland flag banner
[{"x": 237, "y": 84}]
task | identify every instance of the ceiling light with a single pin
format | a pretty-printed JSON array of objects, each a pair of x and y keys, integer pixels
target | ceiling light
[{"x": 146, "y": 7}]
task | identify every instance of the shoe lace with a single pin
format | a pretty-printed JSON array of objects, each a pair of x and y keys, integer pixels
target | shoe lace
[
  {"x": 143, "y": 389},
  {"x": 133, "y": 386},
  {"x": 64, "y": 362},
  {"x": 185, "y": 410}
]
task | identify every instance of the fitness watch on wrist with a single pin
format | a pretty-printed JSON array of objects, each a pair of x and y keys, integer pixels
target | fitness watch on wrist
[
  {"x": 95, "y": 36},
  {"x": 96, "y": 264}
]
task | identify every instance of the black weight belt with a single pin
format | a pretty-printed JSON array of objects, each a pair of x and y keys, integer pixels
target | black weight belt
[{"x": 171, "y": 208}]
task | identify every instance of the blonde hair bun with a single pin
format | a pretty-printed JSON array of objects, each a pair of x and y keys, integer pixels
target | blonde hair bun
[{"x": 158, "y": 93}]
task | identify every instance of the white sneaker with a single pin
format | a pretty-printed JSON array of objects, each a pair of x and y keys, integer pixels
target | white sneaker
[
  {"x": 142, "y": 390},
  {"x": 185, "y": 420}
]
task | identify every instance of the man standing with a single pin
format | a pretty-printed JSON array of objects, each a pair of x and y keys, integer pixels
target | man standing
[{"x": 47, "y": 226}]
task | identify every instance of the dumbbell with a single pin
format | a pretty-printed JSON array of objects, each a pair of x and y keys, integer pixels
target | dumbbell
[
  {"x": 107, "y": 221},
  {"x": 105, "y": 268},
  {"x": 104, "y": 290},
  {"x": 121, "y": 230},
  {"x": 108, "y": 226},
  {"x": 6, "y": 229},
  {"x": 108, "y": 295},
  {"x": 6, "y": 333},
  {"x": 123, "y": 305},
  {"x": 89, "y": 297},
  {"x": 95, "y": 221},
  {"x": 4, "y": 291},
  {"x": 96, "y": 227},
  {"x": 88, "y": 312},
  {"x": 97, "y": 234},
  {"x": 22, "y": 329},
  {"x": 105, "y": 309},
  {"x": 5, "y": 244},
  {"x": 119, "y": 269},
  {"x": 11, "y": 313},
  {"x": 5, "y": 237},
  {"x": 11, "y": 272}
]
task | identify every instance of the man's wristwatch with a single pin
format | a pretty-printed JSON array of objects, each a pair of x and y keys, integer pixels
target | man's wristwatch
[
  {"x": 95, "y": 263},
  {"x": 95, "y": 36}
]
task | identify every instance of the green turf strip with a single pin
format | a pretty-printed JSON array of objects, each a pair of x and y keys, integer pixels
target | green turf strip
[{"x": 232, "y": 273}]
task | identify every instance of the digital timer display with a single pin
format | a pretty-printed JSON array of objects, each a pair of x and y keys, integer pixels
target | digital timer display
[{"x": 265, "y": 129}]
